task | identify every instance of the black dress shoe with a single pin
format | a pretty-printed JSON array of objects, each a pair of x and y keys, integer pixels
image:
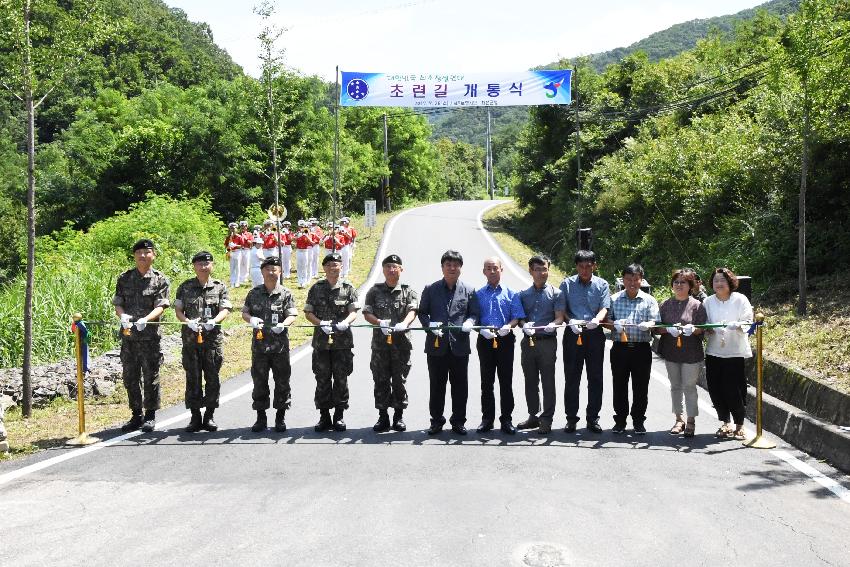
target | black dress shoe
[
  {"x": 594, "y": 426},
  {"x": 544, "y": 429},
  {"x": 134, "y": 423},
  {"x": 529, "y": 423},
  {"x": 508, "y": 427},
  {"x": 435, "y": 428},
  {"x": 640, "y": 429},
  {"x": 339, "y": 425},
  {"x": 459, "y": 429},
  {"x": 570, "y": 427},
  {"x": 484, "y": 427}
]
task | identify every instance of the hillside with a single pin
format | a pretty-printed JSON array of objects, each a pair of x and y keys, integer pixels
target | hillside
[{"x": 470, "y": 125}]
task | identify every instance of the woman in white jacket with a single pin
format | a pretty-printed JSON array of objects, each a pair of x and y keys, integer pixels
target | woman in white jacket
[{"x": 727, "y": 349}]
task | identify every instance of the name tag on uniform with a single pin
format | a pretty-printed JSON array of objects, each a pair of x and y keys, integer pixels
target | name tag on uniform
[
  {"x": 207, "y": 313},
  {"x": 274, "y": 318}
]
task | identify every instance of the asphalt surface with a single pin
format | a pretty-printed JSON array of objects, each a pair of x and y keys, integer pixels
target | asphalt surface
[{"x": 360, "y": 498}]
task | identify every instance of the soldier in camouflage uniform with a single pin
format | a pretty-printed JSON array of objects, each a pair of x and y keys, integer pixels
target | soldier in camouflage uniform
[
  {"x": 141, "y": 295},
  {"x": 332, "y": 307},
  {"x": 270, "y": 309},
  {"x": 393, "y": 307},
  {"x": 202, "y": 304}
]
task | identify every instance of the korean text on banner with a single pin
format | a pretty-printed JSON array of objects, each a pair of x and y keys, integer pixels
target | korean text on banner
[{"x": 435, "y": 90}]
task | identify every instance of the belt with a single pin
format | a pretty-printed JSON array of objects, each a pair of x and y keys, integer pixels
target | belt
[
  {"x": 537, "y": 337},
  {"x": 631, "y": 344}
]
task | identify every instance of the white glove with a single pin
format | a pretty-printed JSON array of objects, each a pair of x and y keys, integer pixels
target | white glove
[
  {"x": 385, "y": 327},
  {"x": 256, "y": 322},
  {"x": 733, "y": 326},
  {"x": 342, "y": 326},
  {"x": 435, "y": 328},
  {"x": 193, "y": 324},
  {"x": 487, "y": 333},
  {"x": 467, "y": 326},
  {"x": 126, "y": 319},
  {"x": 618, "y": 325},
  {"x": 141, "y": 324},
  {"x": 688, "y": 330},
  {"x": 528, "y": 329},
  {"x": 400, "y": 327},
  {"x": 674, "y": 331},
  {"x": 326, "y": 327},
  {"x": 575, "y": 325},
  {"x": 209, "y": 325},
  {"x": 505, "y": 330},
  {"x": 592, "y": 324},
  {"x": 646, "y": 325},
  {"x": 278, "y": 328}
]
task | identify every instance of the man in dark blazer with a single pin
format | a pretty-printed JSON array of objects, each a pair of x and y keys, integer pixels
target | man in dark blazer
[{"x": 448, "y": 302}]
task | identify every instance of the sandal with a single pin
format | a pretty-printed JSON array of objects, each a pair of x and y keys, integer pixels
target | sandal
[
  {"x": 677, "y": 428},
  {"x": 723, "y": 432},
  {"x": 690, "y": 428},
  {"x": 738, "y": 434}
]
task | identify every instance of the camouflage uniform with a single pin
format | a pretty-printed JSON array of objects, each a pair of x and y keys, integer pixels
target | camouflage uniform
[
  {"x": 390, "y": 363},
  {"x": 272, "y": 351},
  {"x": 141, "y": 357},
  {"x": 332, "y": 363},
  {"x": 202, "y": 302}
]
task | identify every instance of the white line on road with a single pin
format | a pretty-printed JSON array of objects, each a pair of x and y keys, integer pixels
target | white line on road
[
  {"x": 241, "y": 391},
  {"x": 814, "y": 474},
  {"x": 506, "y": 258}
]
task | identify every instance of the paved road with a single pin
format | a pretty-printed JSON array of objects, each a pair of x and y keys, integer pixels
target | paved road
[{"x": 300, "y": 498}]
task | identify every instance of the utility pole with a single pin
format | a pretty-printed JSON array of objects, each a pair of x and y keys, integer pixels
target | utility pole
[
  {"x": 578, "y": 151},
  {"x": 385, "y": 190},
  {"x": 489, "y": 158},
  {"x": 336, "y": 160}
]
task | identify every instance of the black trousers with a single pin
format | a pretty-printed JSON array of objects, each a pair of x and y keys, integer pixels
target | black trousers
[
  {"x": 630, "y": 360},
  {"x": 590, "y": 355},
  {"x": 442, "y": 369},
  {"x": 492, "y": 361},
  {"x": 727, "y": 386}
]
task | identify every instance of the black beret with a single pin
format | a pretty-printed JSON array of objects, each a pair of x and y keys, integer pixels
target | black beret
[
  {"x": 202, "y": 256},
  {"x": 270, "y": 261},
  {"x": 143, "y": 243},
  {"x": 391, "y": 259},
  {"x": 332, "y": 257}
]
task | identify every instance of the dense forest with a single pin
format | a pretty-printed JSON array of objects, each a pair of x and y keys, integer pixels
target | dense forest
[
  {"x": 153, "y": 115},
  {"x": 696, "y": 159}
]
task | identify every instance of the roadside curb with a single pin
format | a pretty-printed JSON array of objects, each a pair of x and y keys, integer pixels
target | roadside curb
[{"x": 799, "y": 428}]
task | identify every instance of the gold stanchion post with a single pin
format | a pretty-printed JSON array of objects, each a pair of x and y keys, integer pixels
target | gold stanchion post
[
  {"x": 83, "y": 438},
  {"x": 759, "y": 442}
]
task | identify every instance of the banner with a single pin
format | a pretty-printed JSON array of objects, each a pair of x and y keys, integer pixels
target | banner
[{"x": 436, "y": 90}]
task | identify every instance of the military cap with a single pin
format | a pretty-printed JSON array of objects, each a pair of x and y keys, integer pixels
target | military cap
[
  {"x": 202, "y": 256},
  {"x": 243, "y": 223},
  {"x": 332, "y": 257},
  {"x": 286, "y": 223},
  {"x": 143, "y": 243},
  {"x": 270, "y": 261},
  {"x": 232, "y": 225},
  {"x": 391, "y": 259},
  {"x": 257, "y": 239},
  {"x": 267, "y": 222}
]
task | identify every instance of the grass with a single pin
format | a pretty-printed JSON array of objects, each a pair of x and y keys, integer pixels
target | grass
[
  {"x": 818, "y": 343},
  {"x": 52, "y": 425}
]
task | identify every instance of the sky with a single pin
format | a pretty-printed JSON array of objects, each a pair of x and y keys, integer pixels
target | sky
[{"x": 442, "y": 35}]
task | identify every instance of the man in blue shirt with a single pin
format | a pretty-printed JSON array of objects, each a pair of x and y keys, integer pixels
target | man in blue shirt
[
  {"x": 448, "y": 302},
  {"x": 584, "y": 302},
  {"x": 540, "y": 345},
  {"x": 501, "y": 310}
]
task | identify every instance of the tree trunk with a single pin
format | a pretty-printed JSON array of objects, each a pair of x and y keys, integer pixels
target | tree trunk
[
  {"x": 27, "y": 367},
  {"x": 801, "y": 227}
]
